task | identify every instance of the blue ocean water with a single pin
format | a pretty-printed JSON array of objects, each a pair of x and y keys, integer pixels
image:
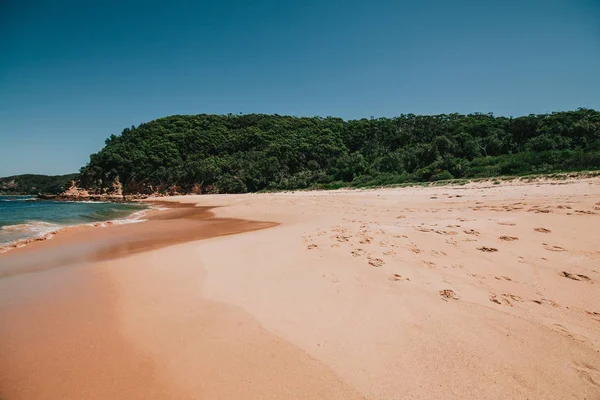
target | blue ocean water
[{"x": 25, "y": 216}]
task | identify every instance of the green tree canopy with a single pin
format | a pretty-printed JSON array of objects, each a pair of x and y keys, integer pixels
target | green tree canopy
[{"x": 239, "y": 153}]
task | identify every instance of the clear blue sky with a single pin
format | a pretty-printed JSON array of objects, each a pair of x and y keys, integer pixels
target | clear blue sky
[{"x": 74, "y": 72}]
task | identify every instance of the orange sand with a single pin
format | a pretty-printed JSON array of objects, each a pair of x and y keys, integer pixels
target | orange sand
[{"x": 414, "y": 293}]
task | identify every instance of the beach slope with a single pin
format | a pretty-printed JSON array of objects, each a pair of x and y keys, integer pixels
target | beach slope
[{"x": 476, "y": 291}]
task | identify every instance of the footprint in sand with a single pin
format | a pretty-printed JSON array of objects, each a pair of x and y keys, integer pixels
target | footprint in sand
[
  {"x": 494, "y": 299},
  {"x": 538, "y": 210},
  {"x": 341, "y": 238},
  {"x": 562, "y": 207},
  {"x": 429, "y": 264},
  {"x": 546, "y": 301},
  {"x": 508, "y": 238},
  {"x": 542, "y": 230},
  {"x": 513, "y": 297},
  {"x": 446, "y": 232},
  {"x": 471, "y": 232},
  {"x": 553, "y": 248},
  {"x": 585, "y": 212},
  {"x": 593, "y": 313},
  {"x": 364, "y": 237},
  {"x": 413, "y": 247},
  {"x": 376, "y": 262},
  {"x": 504, "y": 299},
  {"x": 578, "y": 338},
  {"x": 339, "y": 229},
  {"x": 503, "y": 278},
  {"x": 487, "y": 249},
  {"x": 506, "y": 223},
  {"x": 421, "y": 229},
  {"x": 436, "y": 253},
  {"x": 312, "y": 246},
  {"x": 576, "y": 277},
  {"x": 588, "y": 373},
  {"x": 389, "y": 253},
  {"x": 448, "y": 294},
  {"x": 397, "y": 277},
  {"x": 358, "y": 252}
]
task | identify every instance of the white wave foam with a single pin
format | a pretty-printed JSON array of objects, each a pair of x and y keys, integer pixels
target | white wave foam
[
  {"x": 128, "y": 221},
  {"x": 20, "y": 199},
  {"x": 138, "y": 214},
  {"x": 23, "y": 233},
  {"x": 45, "y": 230},
  {"x": 86, "y": 201},
  {"x": 33, "y": 226}
]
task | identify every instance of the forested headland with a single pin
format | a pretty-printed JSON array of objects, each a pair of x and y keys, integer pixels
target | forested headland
[
  {"x": 247, "y": 153},
  {"x": 31, "y": 184}
]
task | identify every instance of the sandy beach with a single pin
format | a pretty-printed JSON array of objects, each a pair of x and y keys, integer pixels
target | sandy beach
[{"x": 480, "y": 291}]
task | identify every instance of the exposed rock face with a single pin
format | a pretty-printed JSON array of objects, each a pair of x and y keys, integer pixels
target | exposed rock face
[
  {"x": 133, "y": 191},
  {"x": 197, "y": 188},
  {"x": 117, "y": 188},
  {"x": 75, "y": 193},
  {"x": 114, "y": 193}
]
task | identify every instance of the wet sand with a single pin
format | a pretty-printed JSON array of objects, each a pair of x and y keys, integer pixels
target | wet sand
[
  {"x": 83, "y": 243},
  {"x": 61, "y": 336},
  {"x": 477, "y": 291}
]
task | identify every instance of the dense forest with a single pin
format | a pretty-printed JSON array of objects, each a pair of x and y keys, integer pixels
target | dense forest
[
  {"x": 34, "y": 184},
  {"x": 247, "y": 153}
]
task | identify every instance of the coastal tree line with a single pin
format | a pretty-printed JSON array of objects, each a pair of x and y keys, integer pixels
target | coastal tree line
[
  {"x": 30, "y": 184},
  {"x": 248, "y": 153}
]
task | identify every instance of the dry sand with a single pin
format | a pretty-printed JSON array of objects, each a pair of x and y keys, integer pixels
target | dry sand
[{"x": 475, "y": 291}]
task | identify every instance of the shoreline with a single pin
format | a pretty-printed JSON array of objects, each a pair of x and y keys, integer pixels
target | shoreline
[
  {"x": 97, "y": 360},
  {"x": 552, "y": 179},
  {"x": 351, "y": 295},
  {"x": 20, "y": 243},
  {"x": 164, "y": 224}
]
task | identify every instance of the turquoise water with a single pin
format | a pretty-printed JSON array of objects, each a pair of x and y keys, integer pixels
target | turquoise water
[{"x": 24, "y": 216}]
